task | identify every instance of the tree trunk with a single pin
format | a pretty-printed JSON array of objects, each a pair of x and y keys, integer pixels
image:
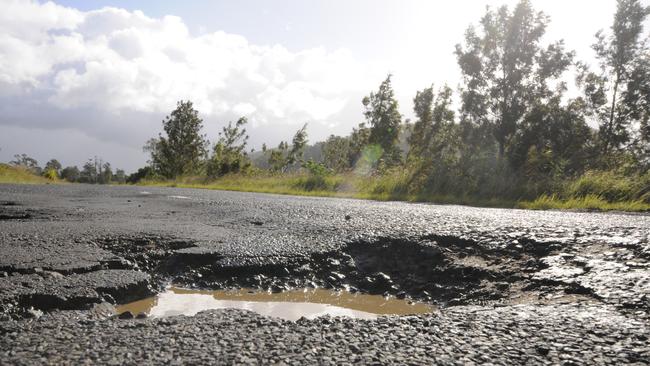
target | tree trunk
[{"x": 610, "y": 124}]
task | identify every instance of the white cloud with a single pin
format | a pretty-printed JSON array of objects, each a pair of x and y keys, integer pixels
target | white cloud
[{"x": 116, "y": 60}]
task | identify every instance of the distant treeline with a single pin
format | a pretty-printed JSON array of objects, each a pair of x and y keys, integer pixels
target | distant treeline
[{"x": 95, "y": 171}]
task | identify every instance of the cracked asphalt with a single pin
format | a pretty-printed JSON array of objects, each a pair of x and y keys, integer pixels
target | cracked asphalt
[{"x": 513, "y": 286}]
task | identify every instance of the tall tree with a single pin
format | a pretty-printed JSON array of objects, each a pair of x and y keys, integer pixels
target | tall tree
[
  {"x": 53, "y": 165},
  {"x": 615, "y": 94},
  {"x": 282, "y": 158},
  {"x": 229, "y": 153},
  {"x": 105, "y": 175},
  {"x": 433, "y": 112},
  {"x": 336, "y": 153},
  {"x": 383, "y": 117},
  {"x": 183, "y": 149},
  {"x": 298, "y": 144},
  {"x": 89, "y": 172},
  {"x": 505, "y": 69}
]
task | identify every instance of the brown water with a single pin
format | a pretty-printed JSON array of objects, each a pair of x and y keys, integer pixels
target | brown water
[{"x": 290, "y": 305}]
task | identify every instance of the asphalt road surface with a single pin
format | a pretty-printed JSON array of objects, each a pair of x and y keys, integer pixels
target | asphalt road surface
[{"x": 510, "y": 286}]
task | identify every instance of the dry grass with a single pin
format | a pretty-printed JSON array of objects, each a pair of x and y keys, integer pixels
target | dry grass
[{"x": 17, "y": 175}]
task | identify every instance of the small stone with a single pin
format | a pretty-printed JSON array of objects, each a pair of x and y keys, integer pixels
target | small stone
[
  {"x": 34, "y": 313},
  {"x": 126, "y": 315},
  {"x": 542, "y": 350},
  {"x": 347, "y": 217}
]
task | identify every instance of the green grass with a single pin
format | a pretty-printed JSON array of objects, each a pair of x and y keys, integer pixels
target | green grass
[
  {"x": 594, "y": 191},
  {"x": 589, "y": 203},
  {"x": 17, "y": 175},
  {"x": 292, "y": 184},
  {"x": 391, "y": 188},
  {"x": 342, "y": 186}
]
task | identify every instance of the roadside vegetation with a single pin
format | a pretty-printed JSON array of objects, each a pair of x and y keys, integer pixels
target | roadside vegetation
[
  {"x": 511, "y": 135},
  {"x": 24, "y": 169},
  {"x": 19, "y": 175}
]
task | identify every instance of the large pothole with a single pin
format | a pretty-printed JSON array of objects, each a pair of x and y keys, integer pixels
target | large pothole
[{"x": 438, "y": 269}]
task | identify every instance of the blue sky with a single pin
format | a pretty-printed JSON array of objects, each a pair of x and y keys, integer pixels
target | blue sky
[{"x": 78, "y": 79}]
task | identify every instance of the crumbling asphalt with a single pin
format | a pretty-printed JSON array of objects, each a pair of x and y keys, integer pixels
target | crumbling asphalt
[{"x": 512, "y": 286}]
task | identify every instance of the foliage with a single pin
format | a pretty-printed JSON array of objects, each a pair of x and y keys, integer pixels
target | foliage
[
  {"x": 506, "y": 71},
  {"x": 70, "y": 173},
  {"x": 617, "y": 95},
  {"x": 381, "y": 111},
  {"x": 50, "y": 174},
  {"x": 182, "y": 150},
  {"x": 143, "y": 173},
  {"x": 26, "y": 162},
  {"x": 229, "y": 153},
  {"x": 286, "y": 157},
  {"x": 52, "y": 169},
  {"x": 336, "y": 153}
]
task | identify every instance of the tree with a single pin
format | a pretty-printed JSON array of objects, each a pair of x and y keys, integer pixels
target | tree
[
  {"x": 505, "y": 69},
  {"x": 183, "y": 149},
  {"x": 70, "y": 173},
  {"x": 336, "y": 153},
  {"x": 120, "y": 176},
  {"x": 26, "y": 162},
  {"x": 298, "y": 144},
  {"x": 229, "y": 153},
  {"x": 638, "y": 97},
  {"x": 615, "y": 94},
  {"x": 89, "y": 172},
  {"x": 282, "y": 158},
  {"x": 142, "y": 173},
  {"x": 554, "y": 140},
  {"x": 358, "y": 141},
  {"x": 383, "y": 117},
  {"x": 433, "y": 113},
  {"x": 105, "y": 173},
  {"x": 53, "y": 165}
]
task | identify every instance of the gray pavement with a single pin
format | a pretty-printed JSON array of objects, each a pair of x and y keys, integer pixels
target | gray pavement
[{"x": 512, "y": 286}]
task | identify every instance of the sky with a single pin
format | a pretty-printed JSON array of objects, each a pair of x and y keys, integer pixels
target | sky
[{"x": 95, "y": 78}]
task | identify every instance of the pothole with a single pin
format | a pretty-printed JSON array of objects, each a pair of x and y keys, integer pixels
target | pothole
[{"x": 289, "y": 305}]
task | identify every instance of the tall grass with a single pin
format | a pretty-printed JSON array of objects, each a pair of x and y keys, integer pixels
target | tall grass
[
  {"x": 592, "y": 191},
  {"x": 294, "y": 184},
  {"x": 589, "y": 203},
  {"x": 18, "y": 175}
]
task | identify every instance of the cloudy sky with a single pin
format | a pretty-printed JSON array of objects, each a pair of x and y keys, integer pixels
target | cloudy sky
[{"x": 94, "y": 77}]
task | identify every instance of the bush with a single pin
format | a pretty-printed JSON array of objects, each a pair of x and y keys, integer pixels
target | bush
[
  {"x": 318, "y": 179},
  {"x": 51, "y": 174}
]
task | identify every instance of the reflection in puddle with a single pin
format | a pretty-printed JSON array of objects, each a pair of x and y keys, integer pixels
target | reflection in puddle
[{"x": 290, "y": 305}]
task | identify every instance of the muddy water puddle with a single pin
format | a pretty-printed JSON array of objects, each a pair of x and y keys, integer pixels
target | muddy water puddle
[{"x": 289, "y": 305}]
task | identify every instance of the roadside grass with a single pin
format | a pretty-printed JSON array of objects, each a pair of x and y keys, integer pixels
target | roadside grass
[
  {"x": 589, "y": 203},
  {"x": 395, "y": 189},
  {"x": 289, "y": 184},
  {"x": 594, "y": 191},
  {"x": 18, "y": 175}
]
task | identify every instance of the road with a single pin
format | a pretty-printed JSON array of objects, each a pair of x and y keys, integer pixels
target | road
[{"x": 511, "y": 286}]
